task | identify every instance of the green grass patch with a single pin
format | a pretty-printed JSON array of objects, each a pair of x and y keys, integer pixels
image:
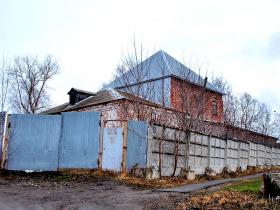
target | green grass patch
[{"x": 251, "y": 186}]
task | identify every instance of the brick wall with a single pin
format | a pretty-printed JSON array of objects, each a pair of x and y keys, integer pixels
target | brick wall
[
  {"x": 121, "y": 110},
  {"x": 125, "y": 110},
  {"x": 194, "y": 100}
]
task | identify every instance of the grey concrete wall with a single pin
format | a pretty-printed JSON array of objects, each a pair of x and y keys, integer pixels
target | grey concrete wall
[
  {"x": 261, "y": 153},
  {"x": 278, "y": 157},
  {"x": 268, "y": 156},
  {"x": 274, "y": 152},
  {"x": 198, "y": 152},
  {"x": 253, "y": 157},
  {"x": 232, "y": 154},
  {"x": 162, "y": 144},
  {"x": 218, "y": 154},
  {"x": 244, "y": 151}
]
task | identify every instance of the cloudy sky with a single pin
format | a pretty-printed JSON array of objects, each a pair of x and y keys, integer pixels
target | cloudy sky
[{"x": 239, "y": 39}]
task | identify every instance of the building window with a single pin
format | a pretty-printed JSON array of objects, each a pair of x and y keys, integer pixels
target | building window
[{"x": 214, "y": 108}]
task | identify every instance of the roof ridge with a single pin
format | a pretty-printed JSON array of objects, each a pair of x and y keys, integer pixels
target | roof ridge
[
  {"x": 114, "y": 93},
  {"x": 82, "y": 91},
  {"x": 166, "y": 62}
]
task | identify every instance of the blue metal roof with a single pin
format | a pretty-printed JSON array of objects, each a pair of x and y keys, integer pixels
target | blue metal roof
[{"x": 160, "y": 65}]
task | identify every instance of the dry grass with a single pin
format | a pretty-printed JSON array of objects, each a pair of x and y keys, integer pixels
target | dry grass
[
  {"x": 166, "y": 182},
  {"x": 227, "y": 200},
  {"x": 76, "y": 176}
]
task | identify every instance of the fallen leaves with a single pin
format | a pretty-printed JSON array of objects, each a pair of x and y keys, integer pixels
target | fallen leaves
[
  {"x": 164, "y": 182},
  {"x": 225, "y": 200}
]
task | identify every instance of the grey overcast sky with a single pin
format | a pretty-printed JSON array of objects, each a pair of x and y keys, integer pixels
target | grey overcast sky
[{"x": 240, "y": 39}]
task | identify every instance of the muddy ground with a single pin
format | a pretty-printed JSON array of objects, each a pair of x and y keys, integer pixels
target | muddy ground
[
  {"x": 87, "y": 190},
  {"x": 56, "y": 191}
]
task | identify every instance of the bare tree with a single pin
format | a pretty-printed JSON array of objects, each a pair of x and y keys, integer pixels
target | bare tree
[
  {"x": 230, "y": 102},
  {"x": 276, "y": 125},
  {"x": 30, "y": 78},
  {"x": 249, "y": 112},
  {"x": 264, "y": 122},
  {"x": 244, "y": 111},
  {"x": 4, "y": 85},
  {"x": 130, "y": 76}
]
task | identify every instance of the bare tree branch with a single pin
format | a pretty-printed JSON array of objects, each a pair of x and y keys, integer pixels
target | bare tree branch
[{"x": 30, "y": 78}]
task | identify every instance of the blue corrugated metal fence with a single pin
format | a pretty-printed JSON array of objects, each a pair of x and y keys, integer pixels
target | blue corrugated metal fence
[
  {"x": 33, "y": 142},
  {"x": 71, "y": 140},
  {"x": 137, "y": 134},
  {"x": 49, "y": 142},
  {"x": 80, "y": 140}
]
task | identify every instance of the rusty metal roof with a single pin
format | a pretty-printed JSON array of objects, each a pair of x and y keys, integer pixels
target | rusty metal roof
[{"x": 100, "y": 97}]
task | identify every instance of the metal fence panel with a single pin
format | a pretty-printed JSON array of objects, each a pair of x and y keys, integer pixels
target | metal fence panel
[
  {"x": 80, "y": 140},
  {"x": 112, "y": 149},
  {"x": 33, "y": 142},
  {"x": 137, "y": 133}
]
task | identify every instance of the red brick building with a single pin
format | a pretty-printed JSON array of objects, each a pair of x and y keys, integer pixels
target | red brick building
[
  {"x": 187, "y": 97},
  {"x": 177, "y": 91},
  {"x": 173, "y": 85}
]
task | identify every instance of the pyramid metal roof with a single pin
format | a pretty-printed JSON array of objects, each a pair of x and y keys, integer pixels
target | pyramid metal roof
[{"x": 161, "y": 65}]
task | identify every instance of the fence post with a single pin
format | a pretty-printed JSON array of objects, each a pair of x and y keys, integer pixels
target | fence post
[
  {"x": 226, "y": 153},
  {"x": 250, "y": 154},
  {"x": 125, "y": 130},
  {"x": 258, "y": 155},
  {"x": 5, "y": 142},
  {"x": 188, "y": 138},
  {"x": 209, "y": 152},
  {"x": 239, "y": 155},
  {"x": 100, "y": 152},
  {"x": 271, "y": 157}
]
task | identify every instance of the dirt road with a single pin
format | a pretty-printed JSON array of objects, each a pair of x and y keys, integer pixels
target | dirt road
[
  {"x": 44, "y": 192},
  {"x": 87, "y": 190}
]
